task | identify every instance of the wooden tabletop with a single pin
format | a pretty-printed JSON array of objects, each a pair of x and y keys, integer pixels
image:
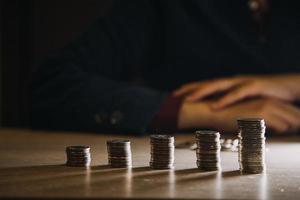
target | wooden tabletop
[{"x": 32, "y": 166}]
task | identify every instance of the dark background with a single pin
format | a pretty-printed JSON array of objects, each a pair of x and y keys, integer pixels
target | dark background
[{"x": 30, "y": 30}]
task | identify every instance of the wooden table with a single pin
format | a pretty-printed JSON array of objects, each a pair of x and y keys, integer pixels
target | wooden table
[{"x": 32, "y": 166}]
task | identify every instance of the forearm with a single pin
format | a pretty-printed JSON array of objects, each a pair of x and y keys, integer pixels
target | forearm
[
  {"x": 294, "y": 84},
  {"x": 194, "y": 115}
]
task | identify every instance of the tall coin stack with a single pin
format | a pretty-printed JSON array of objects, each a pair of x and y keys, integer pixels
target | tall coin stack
[
  {"x": 252, "y": 145},
  {"x": 119, "y": 153},
  {"x": 208, "y": 150},
  {"x": 162, "y": 151},
  {"x": 78, "y": 156}
]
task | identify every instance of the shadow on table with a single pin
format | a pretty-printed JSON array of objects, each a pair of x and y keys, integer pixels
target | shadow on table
[
  {"x": 62, "y": 172},
  {"x": 78, "y": 176},
  {"x": 48, "y": 171},
  {"x": 44, "y": 177},
  {"x": 39, "y": 172},
  {"x": 195, "y": 174}
]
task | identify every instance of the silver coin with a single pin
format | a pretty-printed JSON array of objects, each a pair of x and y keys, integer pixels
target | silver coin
[
  {"x": 78, "y": 164},
  {"x": 77, "y": 149},
  {"x": 118, "y": 141},
  {"x": 161, "y": 137},
  {"x": 207, "y": 133}
]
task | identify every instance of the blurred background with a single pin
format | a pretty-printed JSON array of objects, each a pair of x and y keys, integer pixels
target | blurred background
[{"x": 30, "y": 30}]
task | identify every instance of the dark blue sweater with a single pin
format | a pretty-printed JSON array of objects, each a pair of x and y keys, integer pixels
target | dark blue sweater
[{"x": 115, "y": 77}]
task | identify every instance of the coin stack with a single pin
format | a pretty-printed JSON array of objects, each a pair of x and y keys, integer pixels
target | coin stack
[
  {"x": 78, "y": 156},
  {"x": 208, "y": 150},
  {"x": 119, "y": 153},
  {"x": 162, "y": 151},
  {"x": 252, "y": 145}
]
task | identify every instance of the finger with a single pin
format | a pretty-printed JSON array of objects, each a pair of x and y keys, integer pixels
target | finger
[
  {"x": 277, "y": 124},
  {"x": 213, "y": 87},
  {"x": 285, "y": 118},
  {"x": 186, "y": 89},
  {"x": 240, "y": 93},
  {"x": 291, "y": 115}
]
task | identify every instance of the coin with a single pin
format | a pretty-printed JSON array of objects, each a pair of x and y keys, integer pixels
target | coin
[
  {"x": 208, "y": 150},
  {"x": 162, "y": 151},
  {"x": 251, "y": 145},
  {"x": 78, "y": 156},
  {"x": 119, "y": 153}
]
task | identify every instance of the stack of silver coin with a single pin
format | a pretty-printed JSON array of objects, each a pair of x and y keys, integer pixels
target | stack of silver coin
[
  {"x": 78, "y": 156},
  {"x": 208, "y": 150},
  {"x": 119, "y": 153},
  {"x": 162, "y": 151},
  {"x": 252, "y": 145}
]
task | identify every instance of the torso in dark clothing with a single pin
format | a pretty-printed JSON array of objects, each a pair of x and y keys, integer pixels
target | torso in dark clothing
[
  {"x": 118, "y": 74},
  {"x": 198, "y": 40}
]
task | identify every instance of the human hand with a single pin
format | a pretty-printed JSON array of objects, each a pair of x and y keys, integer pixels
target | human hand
[
  {"x": 282, "y": 87},
  {"x": 281, "y": 117}
]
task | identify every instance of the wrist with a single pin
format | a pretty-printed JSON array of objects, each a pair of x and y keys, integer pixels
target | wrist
[
  {"x": 297, "y": 88},
  {"x": 294, "y": 82},
  {"x": 194, "y": 115}
]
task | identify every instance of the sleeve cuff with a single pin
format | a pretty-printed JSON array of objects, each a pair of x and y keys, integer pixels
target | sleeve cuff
[{"x": 167, "y": 117}]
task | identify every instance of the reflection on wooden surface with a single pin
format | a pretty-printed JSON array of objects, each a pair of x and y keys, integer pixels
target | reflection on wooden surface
[{"x": 32, "y": 165}]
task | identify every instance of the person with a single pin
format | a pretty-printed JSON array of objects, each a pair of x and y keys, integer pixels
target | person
[{"x": 171, "y": 65}]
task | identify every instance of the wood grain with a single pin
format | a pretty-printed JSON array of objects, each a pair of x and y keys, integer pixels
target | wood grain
[{"x": 32, "y": 166}]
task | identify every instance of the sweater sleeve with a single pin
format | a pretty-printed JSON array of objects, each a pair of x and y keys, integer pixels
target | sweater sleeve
[
  {"x": 166, "y": 119},
  {"x": 83, "y": 88}
]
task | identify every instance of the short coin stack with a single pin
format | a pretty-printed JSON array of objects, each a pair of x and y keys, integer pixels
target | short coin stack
[
  {"x": 251, "y": 145},
  {"x": 162, "y": 151},
  {"x": 208, "y": 150},
  {"x": 78, "y": 156},
  {"x": 119, "y": 153}
]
